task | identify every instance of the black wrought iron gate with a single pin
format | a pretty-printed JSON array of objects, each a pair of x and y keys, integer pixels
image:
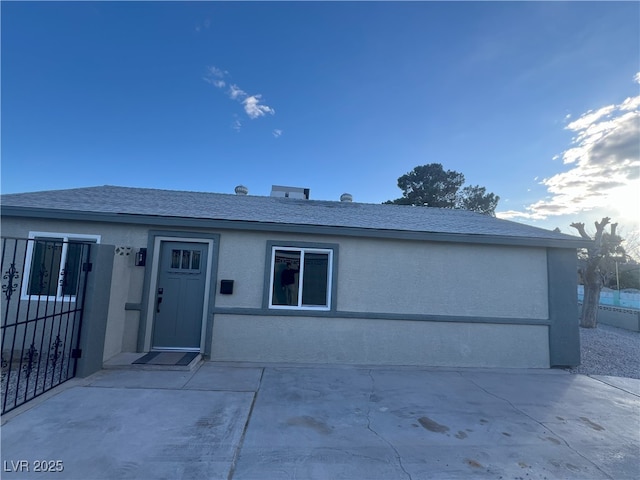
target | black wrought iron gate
[{"x": 44, "y": 283}]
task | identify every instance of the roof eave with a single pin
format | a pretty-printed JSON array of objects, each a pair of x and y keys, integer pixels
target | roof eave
[{"x": 192, "y": 222}]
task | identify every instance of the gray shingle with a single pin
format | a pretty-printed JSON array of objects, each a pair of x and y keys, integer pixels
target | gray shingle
[{"x": 248, "y": 208}]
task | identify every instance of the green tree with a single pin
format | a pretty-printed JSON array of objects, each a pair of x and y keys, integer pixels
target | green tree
[
  {"x": 433, "y": 186},
  {"x": 476, "y": 199}
]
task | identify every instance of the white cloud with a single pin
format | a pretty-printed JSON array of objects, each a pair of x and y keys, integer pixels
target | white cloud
[
  {"x": 235, "y": 92},
  {"x": 605, "y": 168},
  {"x": 253, "y": 108},
  {"x": 509, "y": 214},
  {"x": 631, "y": 103},
  {"x": 636, "y": 77},
  {"x": 215, "y": 76},
  {"x": 216, "y": 72},
  {"x": 588, "y": 119},
  {"x": 252, "y": 104},
  {"x": 212, "y": 81},
  {"x": 277, "y": 132}
]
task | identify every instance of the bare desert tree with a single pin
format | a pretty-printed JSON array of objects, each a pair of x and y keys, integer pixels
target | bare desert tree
[{"x": 605, "y": 245}]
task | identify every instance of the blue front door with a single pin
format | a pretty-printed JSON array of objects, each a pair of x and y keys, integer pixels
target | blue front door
[{"x": 180, "y": 296}]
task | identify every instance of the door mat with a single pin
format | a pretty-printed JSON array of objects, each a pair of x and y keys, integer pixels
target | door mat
[{"x": 167, "y": 358}]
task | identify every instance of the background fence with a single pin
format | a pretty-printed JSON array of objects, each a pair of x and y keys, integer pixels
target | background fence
[{"x": 615, "y": 298}]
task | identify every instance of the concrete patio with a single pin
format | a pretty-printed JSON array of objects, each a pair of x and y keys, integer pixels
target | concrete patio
[{"x": 231, "y": 421}]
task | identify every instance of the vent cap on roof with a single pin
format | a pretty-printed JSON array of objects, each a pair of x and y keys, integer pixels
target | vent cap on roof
[
  {"x": 289, "y": 192},
  {"x": 346, "y": 197},
  {"x": 241, "y": 190}
]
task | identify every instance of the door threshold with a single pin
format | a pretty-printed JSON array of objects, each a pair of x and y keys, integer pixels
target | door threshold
[{"x": 174, "y": 349}]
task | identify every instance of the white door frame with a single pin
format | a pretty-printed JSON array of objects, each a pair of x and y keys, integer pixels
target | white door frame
[{"x": 153, "y": 285}]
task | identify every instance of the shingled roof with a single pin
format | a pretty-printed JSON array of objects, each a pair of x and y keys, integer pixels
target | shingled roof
[{"x": 216, "y": 210}]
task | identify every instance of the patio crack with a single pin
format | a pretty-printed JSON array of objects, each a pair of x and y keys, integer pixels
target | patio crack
[
  {"x": 395, "y": 450},
  {"x": 543, "y": 425},
  {"x": 614, "y": 386},
  {"x": 236, "y": 454}
]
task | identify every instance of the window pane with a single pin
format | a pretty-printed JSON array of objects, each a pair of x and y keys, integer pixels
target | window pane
[
  {"x": 314, "y": 283},
  {"x": 285, "y": 273},
  {"x": 45, "y": 267},
  {"x": 186, "y": 259},
  {"x": 72, "y": 269},
  {"x": 195, "y": 260},
  {"x": 176, "y": 256}
]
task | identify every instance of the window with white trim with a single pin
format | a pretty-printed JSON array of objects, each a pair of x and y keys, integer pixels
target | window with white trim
[
  {"x": 301, "y": 278},
  {"x": 53, "y": 265}
]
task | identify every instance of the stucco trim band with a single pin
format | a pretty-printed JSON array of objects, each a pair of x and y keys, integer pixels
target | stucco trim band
[{"x": 266, "y": 312}]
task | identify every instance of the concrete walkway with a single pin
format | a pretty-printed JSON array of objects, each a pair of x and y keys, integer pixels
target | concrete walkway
[{"x": 223, "y": 421}]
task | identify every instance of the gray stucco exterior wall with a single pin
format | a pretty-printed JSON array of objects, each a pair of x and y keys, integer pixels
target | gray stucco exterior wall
[
  {"x": 521, "y": 299},
  {"x": 400, "y": 277},
  {"x": 365, "y": 341},
  {"x": 397, "y": 302}
]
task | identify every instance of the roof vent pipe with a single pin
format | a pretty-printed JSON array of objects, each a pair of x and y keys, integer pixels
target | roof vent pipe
[
  {"x": 241, "y": 190},
  {"x": 346, "y": 197}
]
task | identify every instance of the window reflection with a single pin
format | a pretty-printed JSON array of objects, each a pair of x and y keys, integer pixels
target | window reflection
[{"x": 300, "y": 278}]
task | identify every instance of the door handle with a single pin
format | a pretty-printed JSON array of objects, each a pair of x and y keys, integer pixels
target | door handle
[{"x": 159, "y": 299}]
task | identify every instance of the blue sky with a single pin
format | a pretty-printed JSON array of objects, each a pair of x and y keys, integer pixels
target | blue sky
[{"x": 537, "y": 101}]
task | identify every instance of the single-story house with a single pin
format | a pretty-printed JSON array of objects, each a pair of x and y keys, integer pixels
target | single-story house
[{"x": 283, "y": 278}]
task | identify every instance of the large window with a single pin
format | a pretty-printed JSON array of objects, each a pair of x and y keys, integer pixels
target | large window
[
  {"x": 301, "y": 278},
  {"x": 53, "y": 265}
]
